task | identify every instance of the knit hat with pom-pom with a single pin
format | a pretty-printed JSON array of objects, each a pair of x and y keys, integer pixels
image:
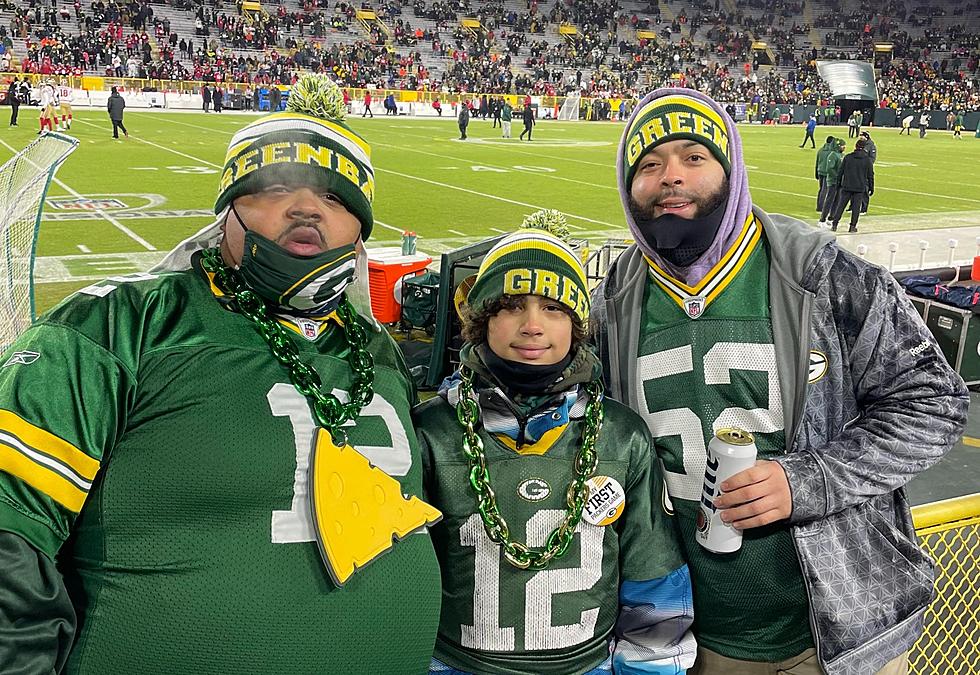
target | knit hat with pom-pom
[
  {"x": 532, "y": 261},
  {"x": 307, "y": 143}
]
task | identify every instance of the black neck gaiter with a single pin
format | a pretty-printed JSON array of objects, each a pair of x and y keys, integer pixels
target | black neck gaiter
[
  {"x": 681, "y": 241},
  {"x": 523, "y": 378}
]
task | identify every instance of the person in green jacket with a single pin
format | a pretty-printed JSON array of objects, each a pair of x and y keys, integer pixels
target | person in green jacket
[
  {"x": 958, "y": 125},
  {"x": 831, "y": 167},
  {"x": 506, "y": 114},
  {"x": 557, "y": 549},
  {"x": 820, "y": 171}
]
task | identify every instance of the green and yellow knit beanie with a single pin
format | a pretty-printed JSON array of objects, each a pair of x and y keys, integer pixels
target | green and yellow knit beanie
[
  {"x": 532, "y": 262},
  {"x": 307, "y": 142},
  {"x": 671, "y": 118}
]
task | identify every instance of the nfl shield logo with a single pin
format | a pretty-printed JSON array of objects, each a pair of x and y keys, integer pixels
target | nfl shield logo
[
  {"x": 309, "y": 328},
  {"x": 694, "y": 306}
]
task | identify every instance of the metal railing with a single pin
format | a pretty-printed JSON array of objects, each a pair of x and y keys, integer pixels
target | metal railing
[
  {"x": 103, "y": 82},
  {"x": 950, "y": 532}
]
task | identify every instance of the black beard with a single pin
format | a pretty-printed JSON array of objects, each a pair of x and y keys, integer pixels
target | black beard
[
  {"x": 677, "y": 239},
  {"x": 644, "y": 213}
]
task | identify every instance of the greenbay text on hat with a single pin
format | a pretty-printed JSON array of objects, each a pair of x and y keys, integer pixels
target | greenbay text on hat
[
  {"x": 532, "y": 262},
  {"x": 675, "y": 117},
  {"x": 309, "y": 142}
]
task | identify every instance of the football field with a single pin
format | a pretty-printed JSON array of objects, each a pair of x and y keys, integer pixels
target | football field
[{"x": 117, "y": 206}]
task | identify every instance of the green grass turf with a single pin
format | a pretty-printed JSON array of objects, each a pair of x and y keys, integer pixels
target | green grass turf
[{"x": 449, "y": 191}]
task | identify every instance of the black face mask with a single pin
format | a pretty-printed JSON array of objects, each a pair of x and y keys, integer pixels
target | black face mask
[
  {"x": 524, "y": 378},
  {"x": 302, "y": 285},
  {"x": 679, "y": 240}
]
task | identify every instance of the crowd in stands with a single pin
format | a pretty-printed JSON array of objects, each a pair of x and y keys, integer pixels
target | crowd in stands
[{"x": 705, "y": 44}]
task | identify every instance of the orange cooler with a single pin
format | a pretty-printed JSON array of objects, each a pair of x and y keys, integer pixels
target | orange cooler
[{"x": 386, "y": 269}]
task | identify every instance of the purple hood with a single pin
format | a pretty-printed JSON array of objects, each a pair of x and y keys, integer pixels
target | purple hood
[{"x": 739, "y": 201}]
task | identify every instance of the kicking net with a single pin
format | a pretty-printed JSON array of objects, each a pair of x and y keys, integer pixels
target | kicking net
[
  {"x": 570, "y": 108},
  {"x": 24, "y": 182}
]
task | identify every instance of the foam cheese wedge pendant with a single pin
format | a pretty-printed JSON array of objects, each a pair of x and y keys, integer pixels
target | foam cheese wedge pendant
[{"x": 359, "y": 511}]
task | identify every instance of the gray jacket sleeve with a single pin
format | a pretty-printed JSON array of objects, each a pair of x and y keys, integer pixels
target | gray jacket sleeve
[
  {"x": 37, "y": 620},
  {"x": 600, "y": 336},
  {"x": 909, "y": 406}
]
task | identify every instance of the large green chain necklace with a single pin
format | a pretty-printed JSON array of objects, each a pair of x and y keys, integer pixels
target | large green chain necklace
[
  {"x": 328, "y": 411},
  {"x": 517, "y": 554}
]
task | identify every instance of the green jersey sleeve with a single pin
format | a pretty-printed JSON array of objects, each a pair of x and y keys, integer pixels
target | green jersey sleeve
[
  {"x": 649, "y": 545},
  {"x": 36, "y": 615},
  {"x": 63, "y": 401}
]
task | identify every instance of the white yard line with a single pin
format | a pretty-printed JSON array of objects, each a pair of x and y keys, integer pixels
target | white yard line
[
  {"x": 84, "y": 249},
  {"x": 536, "y": 207},
  {"x": 457, "y": 233},
  {"x": 514, "y": 149},
  {"x": 390, "y": 227},
  {"x": 497, "y": 229},
  {"x": 541, "y": 174},
  {"x": 122, "y": 228},
  {"x": 163, "y": 147}
]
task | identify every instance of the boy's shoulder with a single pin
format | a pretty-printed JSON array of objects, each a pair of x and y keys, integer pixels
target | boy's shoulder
[
  {"x": 623, "y": 416},
  {"x": 433, "y": 414}
]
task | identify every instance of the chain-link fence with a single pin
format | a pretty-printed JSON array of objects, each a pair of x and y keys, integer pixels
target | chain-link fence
[{"x": 950, "y": 531}]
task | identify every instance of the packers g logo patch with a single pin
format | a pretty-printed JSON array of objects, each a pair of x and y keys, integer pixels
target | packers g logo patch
[
  {"x": 818, "y": 366},
  {"x": 533, "y": 490}
]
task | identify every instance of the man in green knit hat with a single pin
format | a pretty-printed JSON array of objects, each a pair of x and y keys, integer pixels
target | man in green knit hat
[
  {"x": 201, "y": 464},
  {"x": 722, "y": 315}
]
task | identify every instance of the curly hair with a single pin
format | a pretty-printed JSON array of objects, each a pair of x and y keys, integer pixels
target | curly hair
[{"x": 475, "y": 323}]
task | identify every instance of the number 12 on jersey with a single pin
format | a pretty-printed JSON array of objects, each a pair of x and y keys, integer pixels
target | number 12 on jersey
[{"x": 486, "y": 633}]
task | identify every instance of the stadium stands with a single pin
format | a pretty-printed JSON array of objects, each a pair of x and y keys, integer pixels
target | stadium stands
[{"x": 738, "y": 50}]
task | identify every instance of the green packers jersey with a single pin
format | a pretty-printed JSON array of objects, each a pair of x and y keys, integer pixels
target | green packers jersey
[
  {"x": 154, "y": 445},
  {"x": 707, "y": 362},
  {"x": 500, "y": 619}
]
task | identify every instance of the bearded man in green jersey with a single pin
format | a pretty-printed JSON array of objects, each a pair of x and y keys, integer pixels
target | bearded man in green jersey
[
  {"x": 172, "y": 471},
  {"x": 557, "y": 554},
  {"x": 724, "y": 316}
]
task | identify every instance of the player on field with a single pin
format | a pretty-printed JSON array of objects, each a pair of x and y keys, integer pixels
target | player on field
[
  {"x": 48, "y": 104},
  {"x": 724, "y": 316},
  {"x": 618, "y": 599},
  {"x": 907, "y": 125},
  {"x": 164, "y": 462},
  {"x": 64, "y": 100}
]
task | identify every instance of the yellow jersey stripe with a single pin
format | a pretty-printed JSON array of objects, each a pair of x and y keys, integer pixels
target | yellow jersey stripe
[
  {"x": 542, "y": 445},
  {"x": 39, "y": 477},
  {"x": 720, "y": 276},
  {"x": 669, "y": 291},
  {"x": 727, "y": 279},
  {"x": 48, "y": 444},
  {"x": 719, "y": 266},
  {"x": 218, "y": 293}
]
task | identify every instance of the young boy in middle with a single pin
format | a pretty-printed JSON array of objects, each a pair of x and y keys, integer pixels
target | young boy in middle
[{"x": 557, "y": 549}]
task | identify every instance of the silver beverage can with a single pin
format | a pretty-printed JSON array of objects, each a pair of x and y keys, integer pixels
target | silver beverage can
[{"x": 729, "y": 452}]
